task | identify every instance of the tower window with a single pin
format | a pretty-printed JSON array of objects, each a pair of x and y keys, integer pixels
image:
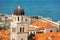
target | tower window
[
  {"x": 20, "y": 29},
  {"x": 23, "y": 29},
  {"x": 18, "y": 18}
]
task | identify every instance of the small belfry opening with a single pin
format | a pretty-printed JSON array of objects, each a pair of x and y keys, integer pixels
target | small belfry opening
[{"x": 18, "y": 18}]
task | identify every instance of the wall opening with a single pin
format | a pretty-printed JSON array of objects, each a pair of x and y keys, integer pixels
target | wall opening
[
  {"x": 51, "y": 30},
  {"x": 18, "y": 18}
]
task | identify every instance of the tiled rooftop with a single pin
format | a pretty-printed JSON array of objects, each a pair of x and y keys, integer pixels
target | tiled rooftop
[
  {"x": 40, "y": 25},
  {"x": 46, "y": 36}
]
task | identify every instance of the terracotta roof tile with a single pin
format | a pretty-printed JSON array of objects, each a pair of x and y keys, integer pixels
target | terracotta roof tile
[
  {"x": 41, "y": 25},
  {"x": 45, "y": 36}
]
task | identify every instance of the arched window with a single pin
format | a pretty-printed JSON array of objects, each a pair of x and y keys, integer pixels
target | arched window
[
  {"x": 18, "y": 18},
  {"x": 20, "y": 29},
  {"x": 23, "y": 29}
]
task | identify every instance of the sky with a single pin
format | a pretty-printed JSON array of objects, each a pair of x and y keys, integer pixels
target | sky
[{"x": 44, "y": 8}]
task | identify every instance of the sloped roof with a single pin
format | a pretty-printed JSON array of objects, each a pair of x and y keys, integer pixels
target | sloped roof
[
  {"x": 41, "y": 25},
  {"x": 45, "y": 36},
  {"x": 5, "y": 34}
]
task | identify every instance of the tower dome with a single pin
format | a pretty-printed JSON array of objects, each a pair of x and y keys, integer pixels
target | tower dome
[{"x": 19, "y": 11}]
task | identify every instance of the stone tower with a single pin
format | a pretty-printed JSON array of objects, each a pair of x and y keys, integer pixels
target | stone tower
[{"x": 19, "y": 26}]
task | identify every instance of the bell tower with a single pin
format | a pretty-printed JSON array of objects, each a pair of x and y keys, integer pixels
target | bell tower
[
  {"x": 18, "y": 14},
  {"x": 18, "y": 27}
]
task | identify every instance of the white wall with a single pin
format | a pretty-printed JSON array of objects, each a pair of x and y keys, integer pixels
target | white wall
[{"x": 48, "y": 30}]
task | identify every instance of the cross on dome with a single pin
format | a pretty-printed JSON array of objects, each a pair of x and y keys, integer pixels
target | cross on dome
[{"x": 18, "y": 6}]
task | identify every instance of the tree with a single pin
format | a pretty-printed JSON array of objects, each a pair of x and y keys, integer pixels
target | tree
[{"x": 30, "y": 37}]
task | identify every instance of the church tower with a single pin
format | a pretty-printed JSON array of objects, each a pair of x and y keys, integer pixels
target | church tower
[
  {"x": 18, "y": 26},
  {"x": 18, "y": 14}
]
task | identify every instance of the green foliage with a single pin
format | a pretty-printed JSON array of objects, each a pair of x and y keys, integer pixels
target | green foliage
[
  {"x": 30, "y": 37},
  {"x": 6, "y": 27}
]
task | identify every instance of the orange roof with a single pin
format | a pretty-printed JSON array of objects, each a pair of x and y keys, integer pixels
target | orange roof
[
  {"x": 44, "y": 36},
  {"x": 41, "y": 25},
  {"x": 5, "y": 34}
]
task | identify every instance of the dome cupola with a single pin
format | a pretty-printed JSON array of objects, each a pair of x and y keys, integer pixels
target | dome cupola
[{"x": 19, "y": 11}]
